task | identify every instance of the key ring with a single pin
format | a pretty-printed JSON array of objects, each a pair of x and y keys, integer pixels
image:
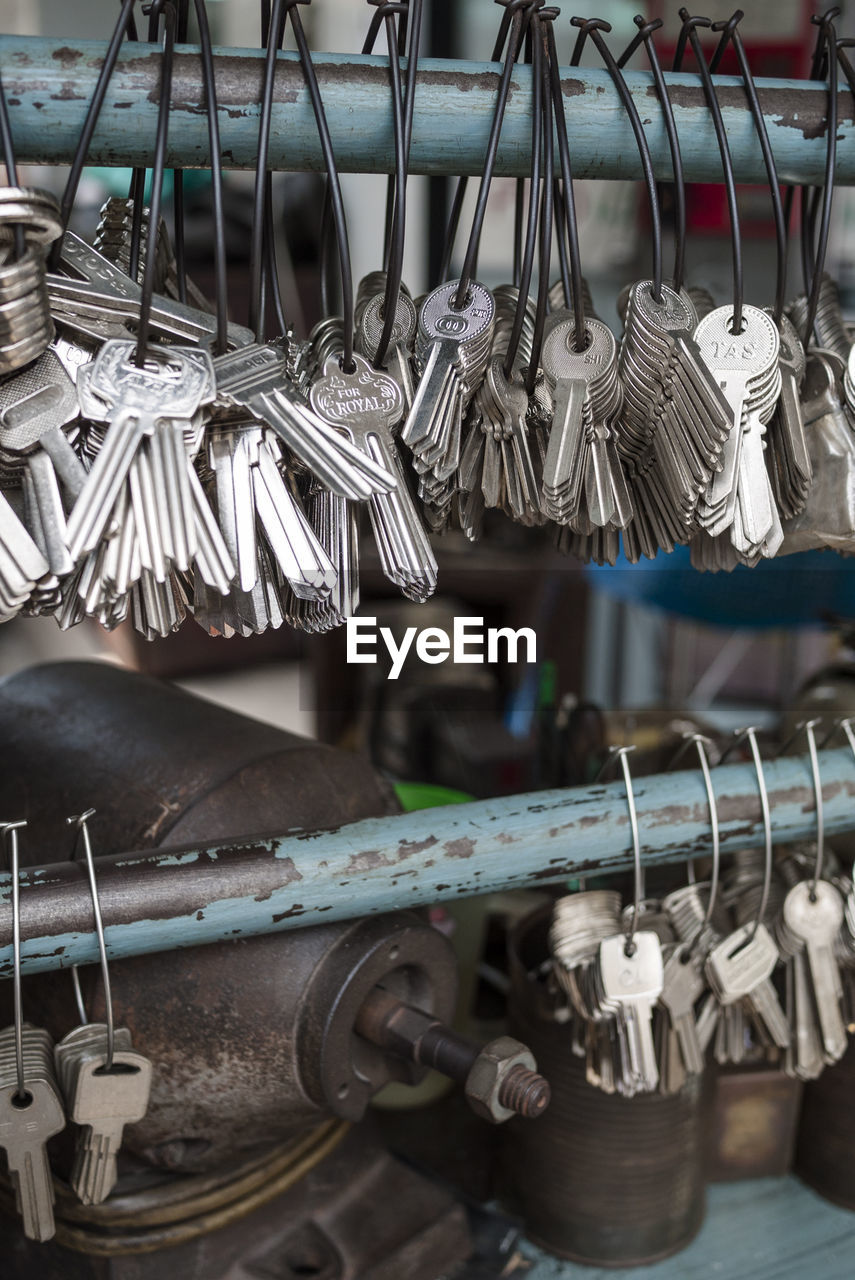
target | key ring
[
  {"x": 731, "y": 34},
  {"x": 518, "y": 20},
  {"x": 82, "y": 829},
  {"x": 689, "y": 34},
  {"x": 533, "y": 221},
  {"x": 166, "y": 9},
  {"x": 334, "y": 182},
  {"x": 11, "y": 166},
  {"x": 701, "y": 742},
  {"x": 749, "y": 735},
  {"x": 544, "y": 19},
  {"x": 808, "y": 727},
  {"x": 638, "y": 889},
  {"x": 11, "y": 830},
  {"x": 511, "y": 9},
  {"x": 594, "y": 27},
  {"x": 402, "y": 126},
  {"x": 645, "y": 35},
  {"x": 567, "y": 225}
]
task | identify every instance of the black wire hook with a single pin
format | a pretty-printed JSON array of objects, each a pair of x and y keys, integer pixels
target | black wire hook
[
  {"x": 511, "y": 8},
  {"x": 291, "y": 11},
  {"x": 826, "y": 25},
  {"x": 594, "y": 27},
  {"x": 567, "y": 223},
  {"x": 689, "y": 33},
  {"x": 125, "y": 23},
  {"x": 514, "y": 42},
  {"x": 273, "y": 26},
  {"x": 817, "y": 70},
  {"x": 645, "y": 35},
  {"x": 165, "y": 9},
  {"x": 731, "y": 34},
  {"x": 533, "y": 220},
  {"x": 220, "y": 262}
]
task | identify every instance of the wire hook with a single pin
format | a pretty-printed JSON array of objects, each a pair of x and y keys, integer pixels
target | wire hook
[
  {"x": 621, "y": 753},
  {"x": 731, "y": 34},
  {"x": 701, "y": 742},
  {"x": 10, "y": 830},
  {"x": 594, "y": 27},
  {"x": 689, "y": 33},
  {"x": 80, "y": 821}
]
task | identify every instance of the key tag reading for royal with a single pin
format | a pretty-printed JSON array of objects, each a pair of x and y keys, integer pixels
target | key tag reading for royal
[{"x": 358, "y": 401}]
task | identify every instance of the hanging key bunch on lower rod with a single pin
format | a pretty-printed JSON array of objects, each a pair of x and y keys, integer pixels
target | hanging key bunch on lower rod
[{"x": 160, "y": 460}]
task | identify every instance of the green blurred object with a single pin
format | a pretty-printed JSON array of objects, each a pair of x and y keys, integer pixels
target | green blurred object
[{"x": 424, "y": 795}]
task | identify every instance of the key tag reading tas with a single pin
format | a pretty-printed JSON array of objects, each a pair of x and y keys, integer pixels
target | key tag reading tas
[{"x": 105, "y": 1083}]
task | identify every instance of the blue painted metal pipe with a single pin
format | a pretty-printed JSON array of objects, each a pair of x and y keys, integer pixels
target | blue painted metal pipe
[
  {"x": 50, "y": 82},
  {"x": 162, "y": 900}
]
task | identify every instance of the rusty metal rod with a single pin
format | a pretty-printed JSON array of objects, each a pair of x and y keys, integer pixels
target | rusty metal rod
[
  {"x": 49, "y": 83},
  {"x": 157, "y": 901}
]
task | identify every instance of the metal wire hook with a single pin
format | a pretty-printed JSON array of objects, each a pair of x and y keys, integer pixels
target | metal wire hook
[
  {"x": 689, "y": 33},
  {"x": 638, "y": 890},
  {"x": 594, "y": 27},
  {"x": 750, "y": 735},
  {"x": 808, "y": 727},
  {"x": 80, "y": 821},
  {"x": 546, "y": 18},
  {"x": 11, "y": 830},
  {"x": 701, "y": 742},
  {"x": 645, "y": 34},
  {"x": 731, "y": 34}
]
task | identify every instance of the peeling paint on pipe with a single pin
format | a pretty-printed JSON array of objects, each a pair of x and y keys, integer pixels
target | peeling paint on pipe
[
  {"x": 49, "y": 84},
  {"x": 162, "y": 900}
]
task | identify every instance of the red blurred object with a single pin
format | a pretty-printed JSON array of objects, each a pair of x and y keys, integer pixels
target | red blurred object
[{"x": 779, "y": 39}]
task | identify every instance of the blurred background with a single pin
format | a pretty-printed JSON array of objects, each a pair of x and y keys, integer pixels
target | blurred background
[{"x": 653, "y": 645}]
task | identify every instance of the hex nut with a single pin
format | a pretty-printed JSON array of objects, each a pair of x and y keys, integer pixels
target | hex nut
[{"x": 490, "y": 1068}]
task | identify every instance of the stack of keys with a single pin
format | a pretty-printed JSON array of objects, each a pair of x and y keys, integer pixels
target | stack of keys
[
  {"x": 26, "y": 326},
  {"x": 452, "y": 349},
  {"x": 27, "y": 1122},
  {"x": 787, "y": 455},
  {"x": 629, "y": 975},
  {"x": 253, "y": 497},
  {"x": 334, "y": 519},
  {"x": 672, "y": 408},
  {"x": 583, "y": 480},
  {"x": 113, "y": 240},
  {"x": 152, "y": 428},
  {"x": 101, "y": 1101},
  {"x": 746, "y": 365},
  {"x": 39, "y": 420},
  {"x": 365, "y": 404},
  {"x": 497, "y": 457}
]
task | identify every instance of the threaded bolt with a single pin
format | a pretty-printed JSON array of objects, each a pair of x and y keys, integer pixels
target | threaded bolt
[{"x": 525, "y": 1092}]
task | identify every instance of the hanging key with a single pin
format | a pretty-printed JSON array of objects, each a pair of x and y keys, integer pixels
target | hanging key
[
  {"x": 739, "y": 969},
  {"x": 630, "y": 977},
  {"x": 27, "y": 1122},
  {"x": 813, "y": 915}
]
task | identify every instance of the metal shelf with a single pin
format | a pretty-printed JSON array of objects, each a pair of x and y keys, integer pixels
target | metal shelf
[
  {"x": 49, "y": 84},
  {"x": 156, "y": 901}
]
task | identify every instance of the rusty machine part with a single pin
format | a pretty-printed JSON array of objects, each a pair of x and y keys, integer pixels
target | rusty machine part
[
  {"x": 826, "y": 1136},
  {"x": 252, "y": 1041},
  {"x": 607, "y": 1180}
]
